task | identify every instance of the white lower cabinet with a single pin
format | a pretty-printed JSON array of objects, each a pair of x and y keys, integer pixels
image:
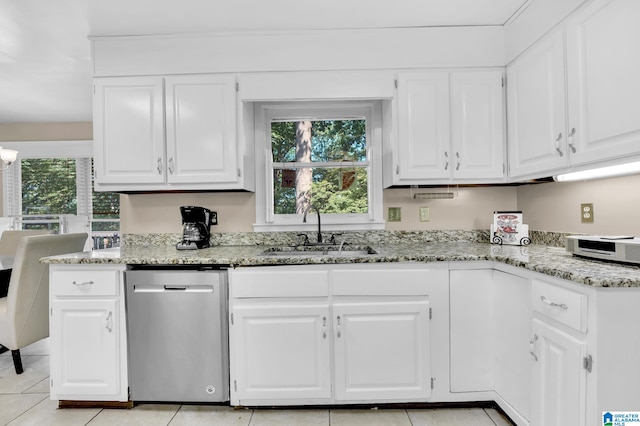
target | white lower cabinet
[
  {"x": 85, "y": 343},
  {"x": 282, "y": 350},
  {"x": 511, "y": 325},
  {"x": 471, "y": 346},
  {"x": 548, "y": 351},
  {"x": 341, "y": 335},
  {"x": 382, "y": 350},
  {"x": 558, "y": 347},
  {"x": 559, "y": 376},
  {"x": 523, "y": 339},
  {"x": 87, "y": 333}
]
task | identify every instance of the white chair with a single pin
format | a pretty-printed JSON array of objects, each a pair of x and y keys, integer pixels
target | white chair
[
  {"x": 24, "y": 312},
  {"x": 10, "y": 238}
]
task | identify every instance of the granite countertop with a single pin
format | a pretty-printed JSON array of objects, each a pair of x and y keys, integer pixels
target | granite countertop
[{"x": 552, "y": 261}]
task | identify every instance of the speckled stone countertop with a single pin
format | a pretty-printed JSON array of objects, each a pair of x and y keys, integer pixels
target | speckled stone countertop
[{"x": 552, "y": 261}]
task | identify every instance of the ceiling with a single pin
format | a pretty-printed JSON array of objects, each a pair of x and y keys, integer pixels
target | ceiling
[{"x": 45, "y": 58}]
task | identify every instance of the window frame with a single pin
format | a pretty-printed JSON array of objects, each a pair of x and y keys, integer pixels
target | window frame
[
  {"x": 266, "y": 112},
  {"x": 77, "y": 149}
]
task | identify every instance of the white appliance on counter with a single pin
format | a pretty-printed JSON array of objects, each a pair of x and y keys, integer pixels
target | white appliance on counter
[{"x": 619, "y": 248}]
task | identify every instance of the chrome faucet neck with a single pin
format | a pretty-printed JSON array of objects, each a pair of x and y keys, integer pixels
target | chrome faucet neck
[{"x": 319, "y": 238}]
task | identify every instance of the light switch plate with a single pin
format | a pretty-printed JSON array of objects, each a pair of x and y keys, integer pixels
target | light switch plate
[
  {"x": 424, "y": 214},
  {"x": 394, "y": 214}
]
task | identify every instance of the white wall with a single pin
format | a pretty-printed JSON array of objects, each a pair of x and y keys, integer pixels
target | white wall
[
  {"x": 472, "y": 208},
  {"x": 160, "y": 213},
  {"x": 555, "y": 206}
]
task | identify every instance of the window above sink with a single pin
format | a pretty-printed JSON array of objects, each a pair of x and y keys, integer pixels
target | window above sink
[{"x": 320, "y": 156}]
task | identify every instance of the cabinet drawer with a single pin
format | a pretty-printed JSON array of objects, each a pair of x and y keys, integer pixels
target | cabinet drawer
[
  {"x": 391, "y": 282},
  {"x": 279, "y": 283},
  {"x": 81, "y": 283},
  {"x": 563, "y": 305}
]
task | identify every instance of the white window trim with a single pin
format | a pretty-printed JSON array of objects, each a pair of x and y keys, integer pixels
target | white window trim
[
  {"x": 45, "y": 149},
  {"x": 266, "y": 221}
]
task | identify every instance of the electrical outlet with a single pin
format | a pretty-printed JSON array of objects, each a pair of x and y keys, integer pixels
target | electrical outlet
[
  {"x": 586, "y": 212},
  {"x": 424, "y": 214},
  {"x": 394, "y": 214}
]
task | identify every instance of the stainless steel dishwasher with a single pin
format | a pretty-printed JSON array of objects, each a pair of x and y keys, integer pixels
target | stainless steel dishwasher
[{"x": 177, "y": 334}]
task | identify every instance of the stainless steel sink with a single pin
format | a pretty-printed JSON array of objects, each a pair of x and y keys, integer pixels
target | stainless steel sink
[{"x": 286, "y": 251}]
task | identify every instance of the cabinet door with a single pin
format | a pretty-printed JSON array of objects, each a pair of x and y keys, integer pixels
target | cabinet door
[
  {"x": 382, "y": 350},
  {"x": 423, "y": 127},
  {"x": 477, "y": 125},
  {"x": 472, "y": 349},
  {"x": 85, "y": 350},
  {"x": 603, "y": 65},
  {"x": 511, "y": 317},
  {"x": 559, "y": 379},
  {"x": 280, "y": 352},
  {"x": 536, "y": 110},
  {"x": 128, "y": 130},
  {"x": 201, "y": 129}
]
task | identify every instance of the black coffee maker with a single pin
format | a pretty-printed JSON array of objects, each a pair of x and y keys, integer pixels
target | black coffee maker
[{"x": 196, "y": 227}]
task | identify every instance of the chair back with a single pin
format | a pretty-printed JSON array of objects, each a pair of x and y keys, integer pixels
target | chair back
[
  {"x": 10, "y": 238},
  {"x": 27, "y": 301}
]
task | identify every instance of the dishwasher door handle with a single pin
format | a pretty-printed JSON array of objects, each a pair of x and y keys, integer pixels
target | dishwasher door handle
[
  {"x": 175, "y": 287},
  {"x": 141, "y": 288}
]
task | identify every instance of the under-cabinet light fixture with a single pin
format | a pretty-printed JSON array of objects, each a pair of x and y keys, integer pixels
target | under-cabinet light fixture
[
  {"x": 599, "y": 173},
  {"x": 8, "y": 156},
  {"x": 433, "y": 195}
]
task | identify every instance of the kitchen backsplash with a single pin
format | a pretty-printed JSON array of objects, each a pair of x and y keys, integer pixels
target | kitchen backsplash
[{"x": 553, "y": 239}]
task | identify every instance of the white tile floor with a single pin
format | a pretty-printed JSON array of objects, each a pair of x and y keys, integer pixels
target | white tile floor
[{"x": 24, "y": 400}]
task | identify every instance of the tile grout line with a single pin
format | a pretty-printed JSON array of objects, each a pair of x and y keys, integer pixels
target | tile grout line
[{"x": 408, "y": 416}]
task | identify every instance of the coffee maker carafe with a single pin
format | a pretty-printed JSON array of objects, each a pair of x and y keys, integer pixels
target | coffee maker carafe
[{"x": 196, "y": 227}]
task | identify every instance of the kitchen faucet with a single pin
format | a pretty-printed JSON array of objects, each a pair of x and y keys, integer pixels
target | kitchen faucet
[{"x": 304, "y": 220}]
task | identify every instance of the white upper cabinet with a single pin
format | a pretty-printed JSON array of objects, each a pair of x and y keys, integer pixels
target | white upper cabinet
[
  {"x": 450, "y": 128},
  {"x": 423, "y": 149},
  {"x": 128, "y": 130},
  {"x": 591, "y": 117},
  {"x": 201, "y": 129},
  {"x": 603, "y": 65},
  {"x": 536, "y": 109},
  {"x": 155, "y": 133},
  {"x": 477, "y": 126}
]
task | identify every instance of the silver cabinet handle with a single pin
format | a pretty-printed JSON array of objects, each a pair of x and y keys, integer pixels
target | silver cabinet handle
[
  {"x": 170, "y": 165},
  {"x": 446, "y": 155},
  {"x": 532, "y": 347},
  {"x": 558, "y": 139},
  {"x": 78, "y": 284},
  {"x": 458, "y": 157},
  {"x": 324, "y": 327},
  {"x": 397, "y": 169},
  {"x": 552, "y": 303},
  {"x": 570, "y": 140},
  {"x": 159, "y": 165},
  {"x": 108, "y": 324},
  {"x": 338, "y": 330}
]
